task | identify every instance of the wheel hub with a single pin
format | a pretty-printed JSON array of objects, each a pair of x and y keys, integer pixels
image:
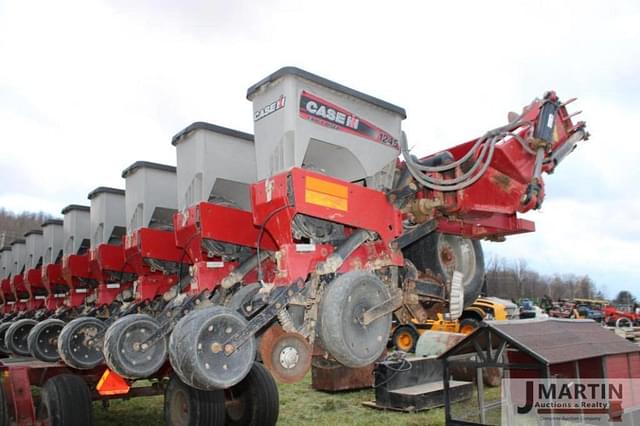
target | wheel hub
[
  {"x": 289, "y": 357},
  {"x": 286, "y": 355}
]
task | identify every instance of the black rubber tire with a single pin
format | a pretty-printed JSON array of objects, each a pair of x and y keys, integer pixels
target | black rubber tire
[
  {"x": 187, "y": 406},
  {"x": 3, "y": 332},
  {"x": 191, "y": 353},
  {"x": 17, "y": 335},
  {"x": 468, "y": 323},
  {"x": 346, "y": 298},
  {"x": 407, "y": 331},
  {"x": 66, "y": 401},
  {"x": 119, "y": 352},
  {"x": 241, "y": 296},
  {"x": 42, "y": 345},
  {"x": 4, "y": 408},
  {"x": 425, "y": 255},
  {"x": 254, "y": 401},
  {"x": 68, "y": 339}
]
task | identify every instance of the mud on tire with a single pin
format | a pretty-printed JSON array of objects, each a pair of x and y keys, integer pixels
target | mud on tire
[
  {"x": 346, "y": 298},
  {"x": 123, "y": 347},
  {"x": 17, "y": 334},
  {"x": 73, "y": 343},
  {"x": 196, "y": 353},
  {"x": 43, "y": 339}
]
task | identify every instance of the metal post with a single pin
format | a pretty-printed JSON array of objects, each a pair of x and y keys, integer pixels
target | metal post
[
  {"x": 445, "y": 384},
  {"x": 480, "y": 388}
]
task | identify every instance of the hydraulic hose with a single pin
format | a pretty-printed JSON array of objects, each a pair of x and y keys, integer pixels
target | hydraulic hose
[
  {"x": 243, "y": 269},
  {"x": 483, "y": 160}
]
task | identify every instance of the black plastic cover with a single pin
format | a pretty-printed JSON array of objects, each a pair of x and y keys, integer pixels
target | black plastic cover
[
  {"x": 32, "y": 232},
  {"x": 71, "y": 207},
  {"x": 327, "y": 83},
  {"x": 105, "y": 190},
  {"x": 212, "y": 128},
  {"x": 149, "y": 165},
  {"x": 546, "y": 122},
  {"x": 52, "y": 222}
]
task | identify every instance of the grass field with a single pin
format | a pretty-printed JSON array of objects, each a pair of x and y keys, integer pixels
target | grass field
[{"x": 299, "y": 405}]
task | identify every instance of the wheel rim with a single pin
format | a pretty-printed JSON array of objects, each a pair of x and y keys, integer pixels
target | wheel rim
[
  {"x": 233, "y": 405},
  {"x": 19, "y": 344},
  {"x": 405, "y": 341},
  {"x": 3, "y": 332},
  {"x": 363, "y": 340},
  {"x": 211, "y": 357},
  {"x": 457, "y": 254},
  {"x": 467, "y": 329},
  {"x": 341, "y": 327},
  {"x": 286, "y": 355},
  {"x": 47, "y": 341},
  {"x": 179, "y": 408},
  {"x": 82, "y": 344},
  {"x": 135, "y": 353}
]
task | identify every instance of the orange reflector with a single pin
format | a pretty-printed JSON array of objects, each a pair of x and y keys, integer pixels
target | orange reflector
[
  {"x": 112, "y": 384},
  {"x": 327, "y": 194}
]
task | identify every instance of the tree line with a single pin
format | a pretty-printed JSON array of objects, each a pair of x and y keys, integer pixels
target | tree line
[
  {"x": 15, "y": 225},
  {"x": 514, "y": 280}
]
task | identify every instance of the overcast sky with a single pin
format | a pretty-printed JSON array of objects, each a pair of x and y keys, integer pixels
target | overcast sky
[{"x": 88, "y": 87}]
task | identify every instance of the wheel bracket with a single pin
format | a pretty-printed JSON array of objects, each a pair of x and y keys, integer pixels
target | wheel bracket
[
  {"x": 384, "y": 308},
  {"x": 280, "y": 301}
]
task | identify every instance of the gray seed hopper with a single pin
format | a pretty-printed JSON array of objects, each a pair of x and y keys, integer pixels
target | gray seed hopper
[
  {"x": 53, "y": 240},
  {"x": 19, "y": 254},
  {"x": 35, "y": 248},
  {"x": 76, "y": 229},
  {"x": 6, "y": 262},
  {"x": 214, "y": 164},
  {"x": 150, "y": 199},
  {"x": 108, "y": 223},
  {"x": 303, "y": 120}
]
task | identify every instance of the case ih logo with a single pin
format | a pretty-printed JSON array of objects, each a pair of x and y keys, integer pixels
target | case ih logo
[
  {"x": 327, "y": 114},
  {"x": 270, "y": 109}
]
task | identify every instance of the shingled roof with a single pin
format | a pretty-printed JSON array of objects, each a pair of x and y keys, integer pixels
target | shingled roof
[{"x": 550, "y": 341}]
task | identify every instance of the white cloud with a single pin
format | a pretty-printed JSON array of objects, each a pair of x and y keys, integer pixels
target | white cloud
[{"x": 87, "y": 87}]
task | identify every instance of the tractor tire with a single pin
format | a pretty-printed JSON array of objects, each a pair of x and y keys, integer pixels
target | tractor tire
[
  {"x": 468, "y": 325},
  {"x": 405, "y": 338},
  {"x": 4, "y": 408},
  {"x": 254, "y": 401},
  {"x": 74, "y": 343},
  {"x": 17, "y": 334},
  {"x": 341, "y": 333},
  {"x": 3, "y": 333},
  {"x": 443, "y": 253},
  {"x": 122, "y": 347},
  {"x": 187, "y": 406},
  {"x": 65, "y": 401},
  {"x": 196, "y": 353},
  {"x": 43, "y": 340}
]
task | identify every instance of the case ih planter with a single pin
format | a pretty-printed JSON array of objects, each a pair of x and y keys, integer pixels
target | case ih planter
[
  {"x": 354, "y": 234},
  {"x": 134, "y": 345},
  {"x": 303, "y": 240}
]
